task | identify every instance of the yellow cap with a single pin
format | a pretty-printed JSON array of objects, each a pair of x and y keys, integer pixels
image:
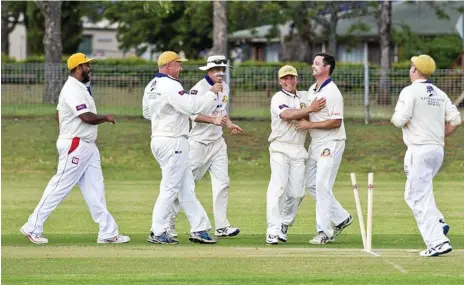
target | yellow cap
[
  {"x": 424, "y": 64},
  {"x": 169, "y": 56},
  {"x": 287, "y": 70},
  {"x": 76, "y": 59}
]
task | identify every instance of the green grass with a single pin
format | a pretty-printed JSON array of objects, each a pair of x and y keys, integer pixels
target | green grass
[{"x": 132, "y": 182}]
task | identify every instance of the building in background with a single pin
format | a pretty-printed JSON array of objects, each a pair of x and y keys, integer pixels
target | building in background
[
  {"x": 99, "y": 40},
  {"x": 420, "y": 17}
]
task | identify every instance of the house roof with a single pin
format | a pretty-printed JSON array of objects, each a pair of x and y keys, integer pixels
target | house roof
[{"x": 420, "y": 17}]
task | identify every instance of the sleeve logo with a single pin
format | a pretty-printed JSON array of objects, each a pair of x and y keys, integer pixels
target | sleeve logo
[
  {"x": 81, "y": 106},
  {"x": 283, "y": 106}
]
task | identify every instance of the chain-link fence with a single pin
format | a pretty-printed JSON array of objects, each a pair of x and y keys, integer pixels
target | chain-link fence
[{"x": 119, "y": 89}]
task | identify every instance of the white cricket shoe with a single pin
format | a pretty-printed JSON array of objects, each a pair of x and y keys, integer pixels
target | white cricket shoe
[
  {"x": 272, "y": 239},
  {"x": 321, "y": 238},
  {"x": 227, "y": 232},
  {"x": 172, "y": 231},
  {"x": 440, "y": 249},
  {"x": 283, "y": 235},
  {"x": 116, "y": 239},
  {"x": 34, "y": 238}
]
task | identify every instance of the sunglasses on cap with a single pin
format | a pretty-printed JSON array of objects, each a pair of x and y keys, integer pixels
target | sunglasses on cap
[{"x": 218, "y": 61}]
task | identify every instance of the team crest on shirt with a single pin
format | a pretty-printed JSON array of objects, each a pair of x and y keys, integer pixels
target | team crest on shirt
[
  {"x": 75, "y": 160},
  {"x": 302, "y": 105},
  {"x": 193, "y": 92},
  {"x": 325, "y": 152},
  {"x": 225, "y": 99},
  {"x": 182, "y": 92}
]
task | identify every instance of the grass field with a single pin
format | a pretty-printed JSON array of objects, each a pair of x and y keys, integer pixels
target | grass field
[{"x": 132, "y": 181}]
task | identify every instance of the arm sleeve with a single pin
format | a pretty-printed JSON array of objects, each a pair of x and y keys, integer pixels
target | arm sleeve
[
  {"x": 278, "y": 104},
  {"x": 188, "y": 104},
  {"x": 148, "y": 95},
  {"x": 403, "y": 109},
  {"x": 77, "y": 103},
  {"x": 452, "y": 113},
  {"x": 335, "y": 107}
]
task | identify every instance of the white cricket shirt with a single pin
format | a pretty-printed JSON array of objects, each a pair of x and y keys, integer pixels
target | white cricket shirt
[
  {"x": 168, "y": 106},
  {"x": 285, "y": 131},
  {"x": 75, "y": 100},
  {"x": 203, "y": 132},
  {"x": 421, "y": 111},
  {"x": 332, "y": 110}
]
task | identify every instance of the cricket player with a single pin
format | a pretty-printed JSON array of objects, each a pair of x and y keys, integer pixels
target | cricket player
[
  {"x": 328, "y": 136},
  {"x": 287, "y": 152},
  {"x": 79, "y": 158},
  {"x": 168, "y": 107},
  {"x": 426, "y": 116},
  {"x": 208, "y": 150}
]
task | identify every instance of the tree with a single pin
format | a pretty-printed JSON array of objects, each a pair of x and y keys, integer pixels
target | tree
[
  {"x": 384, "y": 24},
  {"x": 71, "y": 24},
  {"x": 53, "y": 49},
  {"x": 11, "y": 15},
  {"x": 219, "y": 27}
]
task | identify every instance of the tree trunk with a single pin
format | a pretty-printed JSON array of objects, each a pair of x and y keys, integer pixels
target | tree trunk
[
  {"x": 5, "y": 38},
  {"x": 384, "y": 24},
  {"x": 53, "y": 49},
  {"x": 219, "y": 28},
  {"x": 333, "y": 33}
]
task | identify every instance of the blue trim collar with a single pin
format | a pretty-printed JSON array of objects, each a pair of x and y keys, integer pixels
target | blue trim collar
[
  {"x": 210, "y": 82},
  {"x": 324, "y": 84},
  {"x": 159, "y": 75}
]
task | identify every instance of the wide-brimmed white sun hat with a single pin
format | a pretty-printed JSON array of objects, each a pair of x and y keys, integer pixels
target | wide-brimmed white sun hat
[{"x": 215, "y": 61}]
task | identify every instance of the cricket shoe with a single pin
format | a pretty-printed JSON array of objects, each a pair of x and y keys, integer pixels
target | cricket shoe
[
  {"x": 164, "y": 238},
  {"x": 283, "y": 235},
  {"x": 201, "y": 237},
  {"x": 272, "y": 239},
  {"x": 440, "y": 249},
  {"x": 227, "y": 232},
  {"x": 116, "y": 239},
  {"x": 37, "y": 239},
  {"x": 339, "y": 228},
  {"x": 172, "y": 231},
  {"x": 321, "y": 238},
  {"x": 445, "y": 226}
]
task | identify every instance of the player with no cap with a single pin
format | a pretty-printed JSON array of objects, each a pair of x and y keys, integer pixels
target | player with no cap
[
  {"x": 287, "y": 152},
  {"x": 325, "y": 152},
  {"x": 426, "y": 116},
  {"x": 78, "y": 157}
]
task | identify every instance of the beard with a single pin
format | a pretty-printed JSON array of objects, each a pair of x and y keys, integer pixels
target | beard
[{"x": 85, "y": 77}]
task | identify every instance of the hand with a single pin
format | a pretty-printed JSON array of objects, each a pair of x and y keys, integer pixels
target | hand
[
  {"x": 302, "y": 125},
  {"x": 317, "y": 105},
  {"x": 234, "y": 129},
  {"x": 220, "y": 121},
  {"x": 111, "y": 119},
  {"x": 217, "y": 87}
]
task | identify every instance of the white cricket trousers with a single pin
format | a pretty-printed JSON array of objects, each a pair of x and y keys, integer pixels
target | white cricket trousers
[
  {"x": 321, "y": 171},
  {"x": 211, "y": 157},
  {"x": 287, "y": 179},
  {"x": 421, "y": 164},
  {"x": 177, "y": 181},
  {"x": 78, "y": 163}
]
